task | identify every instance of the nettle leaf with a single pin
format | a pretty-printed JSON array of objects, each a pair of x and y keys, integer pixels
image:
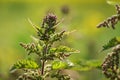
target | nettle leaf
[
  {"x": 113, "y": 42},
  {"x": 63, "y": 49},
  {"x": 66, "y": 49},
  {"x": 61, "y": 65},
  {"x": 87, "y": 65},
  {"x": 62, "y": 52},
  {"x": 21, "y": 64},
  {"x": 58, "y": 65}
]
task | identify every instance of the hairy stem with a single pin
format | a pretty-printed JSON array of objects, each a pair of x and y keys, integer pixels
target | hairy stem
[
  {"x": 43, "y": 61},
  {"x": 43, "y": 65}
]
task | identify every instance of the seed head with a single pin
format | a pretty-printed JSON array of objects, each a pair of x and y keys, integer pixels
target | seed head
[{"x": 110, "y": 66}]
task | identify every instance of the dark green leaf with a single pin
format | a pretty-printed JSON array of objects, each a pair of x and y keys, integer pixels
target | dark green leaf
[{"x": 113, "y": 42}]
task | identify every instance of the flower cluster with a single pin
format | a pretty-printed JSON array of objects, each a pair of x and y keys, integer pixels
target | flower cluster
[
  {"x": 50, "y": 20},
  {"x": 111, "y": 21},
  {"x": 110, "y": 66},
  {"x": 47, "y": 27}
]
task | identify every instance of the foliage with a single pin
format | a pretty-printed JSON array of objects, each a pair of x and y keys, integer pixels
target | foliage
[
  {"x": 51, "y": 58},
  {"x": 56, "y": 65},
  {"x": 111, "y": 21},
  {"x": 24, "y": 64},
  {"x": 110, "y": 65},
  {"x": 20, "y": 34},
  {"x": 113, "y": 42}
]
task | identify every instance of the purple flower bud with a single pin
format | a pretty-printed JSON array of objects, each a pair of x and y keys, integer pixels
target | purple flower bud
[{"x": 50, "y": 20}]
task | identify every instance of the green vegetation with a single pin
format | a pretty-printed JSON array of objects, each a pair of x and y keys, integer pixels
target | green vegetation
[
  {"x": 78, "y": 15},
  {"x": 110, "y": 65},
  {"x": 44, "y": 48}
]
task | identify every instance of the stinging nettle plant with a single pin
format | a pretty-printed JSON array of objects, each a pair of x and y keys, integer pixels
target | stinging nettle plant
[
  {"x": 52, "y": 60},
  {"x": 111, "y": 21},
  {"x": 110, "y": 66}
]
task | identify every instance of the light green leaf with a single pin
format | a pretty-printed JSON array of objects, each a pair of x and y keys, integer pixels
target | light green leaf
[
  {"x": 59, "y": 65},
  {"x": 29, "y": 64},
  {"x": 62, "y": 52},
  {"x": 62, "y": 64},
  {"x": 63, "y": 49}
]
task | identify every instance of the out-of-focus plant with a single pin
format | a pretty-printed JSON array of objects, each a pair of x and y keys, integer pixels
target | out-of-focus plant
[
  {"x": 110, "y": 66},
  {"x": 51, "y": 59},
  {"x": 111, "y": 21},
  {"x": 113, "y": 42},
  {"x": 65, "y": 9}
]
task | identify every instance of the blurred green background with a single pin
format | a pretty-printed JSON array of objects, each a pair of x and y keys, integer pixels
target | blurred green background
[{"x": 83, "y": 16}]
